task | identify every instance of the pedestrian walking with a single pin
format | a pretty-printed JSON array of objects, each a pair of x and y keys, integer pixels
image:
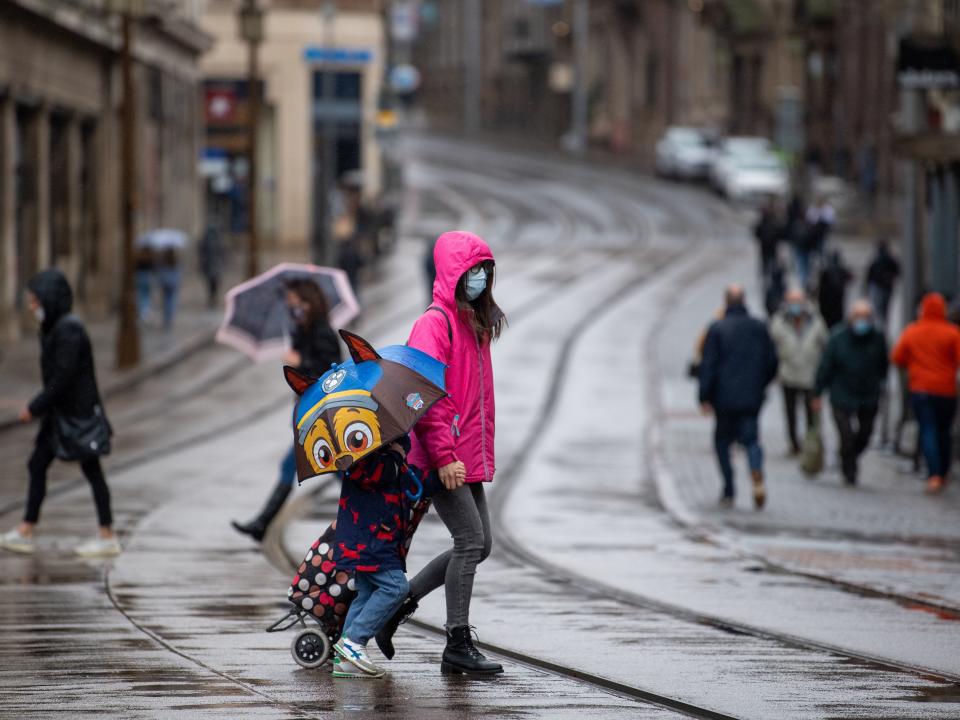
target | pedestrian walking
[
  {"x": 775, "y": 290},
  {"x": 882, "y": 274},
  {"x": 929, "y": 350},
  {"x": 795, "y": 228},
  {"x": 369, "y": 541},
  {"x": 73, "y": 426},
  {"x": 767, "y": 232},
  {"x": 168, "y": 276},
  {"x": 739, "y": 361},
  {"x": 211, "y": 262},
  {"x": 820, "y": 221},
  {"x": 854, "y": 370},
  {"x": 800, "y": 336},
  {"x": 458, "y": 329},
  {"x": 832, "y": 289},
  {"x": 143, "y": 276},
  {"x": 315, "y": 348}
]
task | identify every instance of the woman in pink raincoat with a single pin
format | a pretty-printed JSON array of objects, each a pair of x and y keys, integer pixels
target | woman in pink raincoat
[{"x": 455, "y": 438}]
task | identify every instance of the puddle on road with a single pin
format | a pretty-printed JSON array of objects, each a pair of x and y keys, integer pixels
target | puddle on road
[
  {"x": 233, "y": 610},
  {"x": 936, "y": 694},
  {"x": 44, "y": 570}
]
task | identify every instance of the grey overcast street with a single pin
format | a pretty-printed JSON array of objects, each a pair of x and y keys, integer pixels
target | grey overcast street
[
  {"x": 480, "y": 359},
  {"x": 616, "y": 588}
]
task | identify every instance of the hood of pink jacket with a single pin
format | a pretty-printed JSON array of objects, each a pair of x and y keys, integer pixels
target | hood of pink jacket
[{"x": 454, "y": 253}]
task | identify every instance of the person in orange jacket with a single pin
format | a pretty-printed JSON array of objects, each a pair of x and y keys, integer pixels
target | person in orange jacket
[{"x": 929, "y": 350}]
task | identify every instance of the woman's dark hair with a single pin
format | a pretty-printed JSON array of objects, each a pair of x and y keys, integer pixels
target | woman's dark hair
[
  {"x": 487, "y": 319},
  {"x": 308, "y": 291}
]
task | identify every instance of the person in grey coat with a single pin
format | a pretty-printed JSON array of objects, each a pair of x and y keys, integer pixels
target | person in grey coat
[{"x": 800, "y": 336}]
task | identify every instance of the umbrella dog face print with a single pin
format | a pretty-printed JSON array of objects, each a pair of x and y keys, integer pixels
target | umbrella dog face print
[{"x": 360, "y": 405}]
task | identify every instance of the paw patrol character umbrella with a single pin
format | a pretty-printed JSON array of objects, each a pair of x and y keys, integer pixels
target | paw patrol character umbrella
[
  {"x": 257, "y": 322},
  {"x": 360, "y": 405}
]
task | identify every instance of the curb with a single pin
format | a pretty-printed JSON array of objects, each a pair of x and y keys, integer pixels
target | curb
[{"x": 132, "y": 378}]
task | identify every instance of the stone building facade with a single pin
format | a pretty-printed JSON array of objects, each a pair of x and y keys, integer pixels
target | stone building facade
[
  {"x": 60, "y": 99},
  {"x": 299, "y": 45}
]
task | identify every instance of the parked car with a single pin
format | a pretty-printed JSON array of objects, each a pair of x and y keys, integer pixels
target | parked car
[
  {"x": 684, "y": 153},
  {"x": 732, "y": 150},
  {"x": 753, "y": 179}
]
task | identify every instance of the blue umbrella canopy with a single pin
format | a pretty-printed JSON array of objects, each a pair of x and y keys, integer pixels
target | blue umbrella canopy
[{"x": 361, "y": 405}]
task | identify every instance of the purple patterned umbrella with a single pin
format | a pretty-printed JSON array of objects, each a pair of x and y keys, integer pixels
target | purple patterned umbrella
[{"x": 257, "y": 322}]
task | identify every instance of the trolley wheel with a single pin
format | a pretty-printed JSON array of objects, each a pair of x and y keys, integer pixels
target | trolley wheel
[{"x": 310, "y": 648}]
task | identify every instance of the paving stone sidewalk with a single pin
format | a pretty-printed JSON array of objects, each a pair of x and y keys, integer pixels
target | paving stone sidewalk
[{"x": 885, "y": 533}]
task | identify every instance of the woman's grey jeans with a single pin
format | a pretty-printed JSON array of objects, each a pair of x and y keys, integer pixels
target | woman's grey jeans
[{"x": 464, "y": 512}]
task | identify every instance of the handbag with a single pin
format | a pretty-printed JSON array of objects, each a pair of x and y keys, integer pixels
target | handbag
[
  {"x": 78, "y": 438},
  {"x": 811, "y": 455}
]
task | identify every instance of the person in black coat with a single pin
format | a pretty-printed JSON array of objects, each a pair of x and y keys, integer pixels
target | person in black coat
[
  {"x": 314, "y": 348},
  {"x": 881, "y": 278},
  {"x": 69, "y": 400},
  {"x": 832, "y": 290},
  {"x": 768, "y": 232},
  {"x": 739, "y": 361}
]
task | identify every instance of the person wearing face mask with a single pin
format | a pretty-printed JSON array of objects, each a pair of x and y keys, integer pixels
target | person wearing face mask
[
  {"x": 854, "y": 370},
  {"x": 454, "y": 442},
  {"x": 800, "y": 335},
  {"x": 314, "y": 348},
  {"x": 73, "y": 426}
]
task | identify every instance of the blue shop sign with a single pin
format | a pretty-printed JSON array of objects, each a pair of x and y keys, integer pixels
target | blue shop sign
[{"x": 337, "y": 56}]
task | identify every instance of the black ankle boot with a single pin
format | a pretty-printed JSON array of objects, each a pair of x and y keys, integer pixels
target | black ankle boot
[
  {"x": 460, "y": 655},
  {"x": 257, "y": 527},
  {"x": 384, "y": 638}
]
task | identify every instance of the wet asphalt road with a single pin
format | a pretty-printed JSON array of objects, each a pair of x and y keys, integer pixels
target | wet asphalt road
[{"x": 589, "y": 572}]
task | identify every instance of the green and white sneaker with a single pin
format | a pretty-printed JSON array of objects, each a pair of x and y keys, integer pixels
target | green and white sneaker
[
  {"x": 15, "y": 542},
  {"x": 355, "y": 654},
  {"x": 344, "y": 669}
]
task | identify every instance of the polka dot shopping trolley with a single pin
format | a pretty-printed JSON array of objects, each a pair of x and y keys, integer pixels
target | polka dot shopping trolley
[
  {"x": 344, "y": 415},
  {"x": 321, "y": 595}
]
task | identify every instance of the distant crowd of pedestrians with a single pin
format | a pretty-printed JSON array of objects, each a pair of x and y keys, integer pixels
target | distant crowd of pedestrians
[{"x": 823, "y": 348}]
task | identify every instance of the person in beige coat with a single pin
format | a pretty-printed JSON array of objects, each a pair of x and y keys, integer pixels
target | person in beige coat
[{"x": 800, "y": 335}]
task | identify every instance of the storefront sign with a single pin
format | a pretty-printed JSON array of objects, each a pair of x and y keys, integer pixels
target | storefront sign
[
  {"x": 337, "y": 56},
  {"x": 927, "y": 66}
]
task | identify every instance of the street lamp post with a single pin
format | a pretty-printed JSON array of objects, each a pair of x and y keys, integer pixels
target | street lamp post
[
  {"x": 581, "y": 39},
  {"x": 323, "y": 250},
  {"x": 128, "y": 334},
  {"x": 251, "y": 30}
]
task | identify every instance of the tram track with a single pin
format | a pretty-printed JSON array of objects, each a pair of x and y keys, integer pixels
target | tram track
[
  {"x": 722, "y": 221},
  {"x": 285, "y": 562},
  {"x": 507, "y": 544},
  {"x": 511, "y": 547},
  {"x": 536, "y": 298}
]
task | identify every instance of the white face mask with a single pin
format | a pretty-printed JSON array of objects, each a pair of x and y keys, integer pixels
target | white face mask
[
  {"x": 476, "y": 282},
  {"x": 39, "y": 314}
]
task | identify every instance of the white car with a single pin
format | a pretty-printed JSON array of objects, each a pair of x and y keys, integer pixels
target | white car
[
  {"x": 683, "y": 152},
  {"x": 754, "y": 179},
  {"x": 733, "y": 150}
]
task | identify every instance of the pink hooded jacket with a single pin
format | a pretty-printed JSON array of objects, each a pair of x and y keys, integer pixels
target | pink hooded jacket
[{"x": 461, "y": 426}]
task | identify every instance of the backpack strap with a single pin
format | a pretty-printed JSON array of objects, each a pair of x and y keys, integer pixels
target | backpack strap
[{"x": 445, "y": 317}]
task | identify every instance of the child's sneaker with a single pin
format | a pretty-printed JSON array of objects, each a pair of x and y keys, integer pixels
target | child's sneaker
[
  {"x": 355, "y": 654},
  {"x": 15, "y": 542},
  {"x": 344, "y": 669}
]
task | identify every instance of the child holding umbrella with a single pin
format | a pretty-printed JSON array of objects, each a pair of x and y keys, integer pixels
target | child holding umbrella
[{"x": 355, "y": 420}]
